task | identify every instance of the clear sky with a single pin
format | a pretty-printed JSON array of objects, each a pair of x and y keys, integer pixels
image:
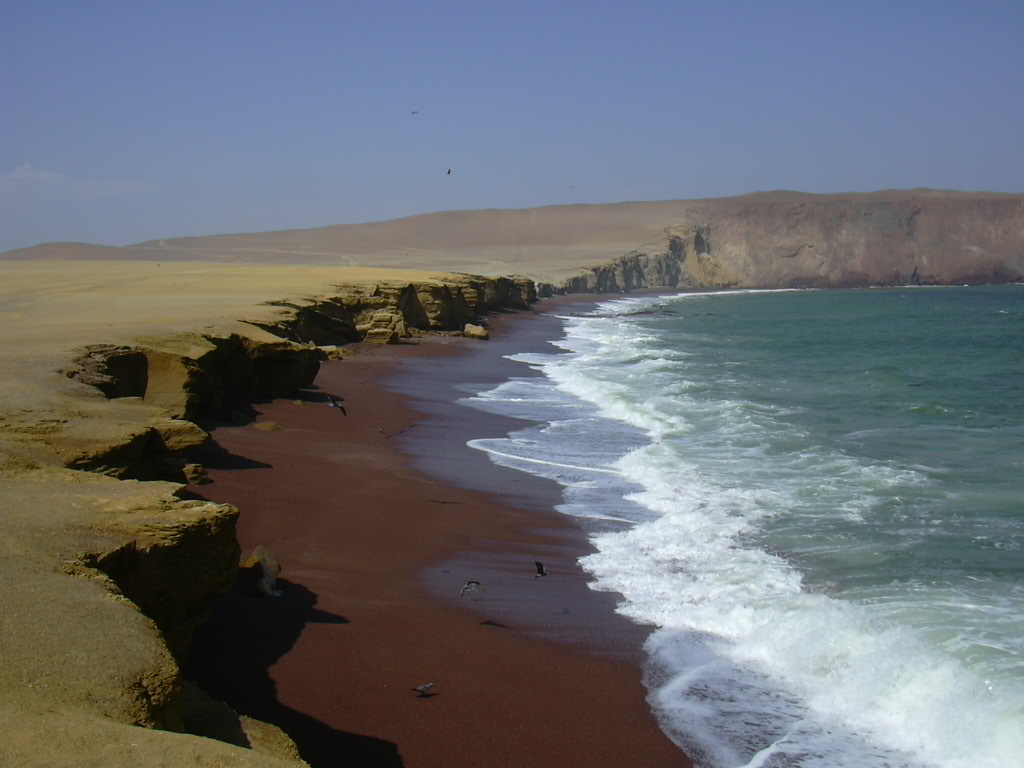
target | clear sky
[{"x": 123, "y": 120}]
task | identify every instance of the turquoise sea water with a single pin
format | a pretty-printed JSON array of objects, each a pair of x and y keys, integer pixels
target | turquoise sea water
[{"x": 817, "y": 497}]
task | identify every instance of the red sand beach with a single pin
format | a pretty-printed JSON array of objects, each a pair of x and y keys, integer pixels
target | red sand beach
[{"x": 375, "y": 550}]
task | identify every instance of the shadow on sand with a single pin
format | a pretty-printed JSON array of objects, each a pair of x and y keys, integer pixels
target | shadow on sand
[
  {"x": 212, "y": 455},
  {"x": 231, "y": 656}
]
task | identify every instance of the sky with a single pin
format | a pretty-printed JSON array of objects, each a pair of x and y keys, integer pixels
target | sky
[{"x": 123, "y": 121}]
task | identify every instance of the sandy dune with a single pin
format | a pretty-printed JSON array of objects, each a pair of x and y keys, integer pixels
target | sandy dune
[
  {"x": 545, "y": 244},
  {"x": 541, "y": 243}
]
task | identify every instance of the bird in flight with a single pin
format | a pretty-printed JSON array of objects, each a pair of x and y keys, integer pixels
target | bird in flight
[
  {"x": 414, "y": 112},
  {"x": 540, "y": 569},
  {"x": 424, "y": 690}
]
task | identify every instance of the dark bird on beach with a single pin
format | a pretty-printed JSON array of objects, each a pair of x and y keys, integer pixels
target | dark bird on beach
[
  {"x": 470, "y": 586},
  {"x": 333, "y": 402},
  {"x": 540, "y": 569},
  {"x": 423, "y": 690}
]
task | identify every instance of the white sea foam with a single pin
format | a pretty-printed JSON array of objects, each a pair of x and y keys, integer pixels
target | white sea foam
[{"x": 746, "y": 549}]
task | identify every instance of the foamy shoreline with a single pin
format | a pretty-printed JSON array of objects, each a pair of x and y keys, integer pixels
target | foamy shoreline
[{"x": 384, "y": 551}]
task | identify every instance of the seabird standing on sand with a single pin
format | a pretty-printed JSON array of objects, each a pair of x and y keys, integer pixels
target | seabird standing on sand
[
  {"x": 470, "y": 586},
  {"x": 540, "y": 569},
  {"x": 333, "y": 402}
]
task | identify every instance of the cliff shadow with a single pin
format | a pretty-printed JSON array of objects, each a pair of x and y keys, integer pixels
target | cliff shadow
[
  {"x": 212, "y": 455},
  {"x": 230, "y": 660}
]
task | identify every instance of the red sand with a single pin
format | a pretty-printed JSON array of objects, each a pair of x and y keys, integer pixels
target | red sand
[{"x": 368, "y": 546}]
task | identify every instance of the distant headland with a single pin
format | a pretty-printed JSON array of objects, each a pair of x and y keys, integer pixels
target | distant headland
[{"x": 779, "y": 239}]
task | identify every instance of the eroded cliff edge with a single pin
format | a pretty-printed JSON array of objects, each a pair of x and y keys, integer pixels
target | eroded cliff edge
[
  {"x": 108, "y": 569},
  {"x": 794, "y": 240}
]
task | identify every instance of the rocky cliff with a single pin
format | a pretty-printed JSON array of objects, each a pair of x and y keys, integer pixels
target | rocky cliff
[
  {"x": 790, "y": 240},
  {"x": 108, "y": 569}
]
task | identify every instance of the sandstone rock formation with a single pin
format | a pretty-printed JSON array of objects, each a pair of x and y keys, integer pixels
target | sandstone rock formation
[
  {"x": 107, "y": 570},
  {"x": 387, "y": 312},
  {"x": 103, "y": 581},
  {"x": 824, "y": 241},
  {"x": 475, "y": 331}
]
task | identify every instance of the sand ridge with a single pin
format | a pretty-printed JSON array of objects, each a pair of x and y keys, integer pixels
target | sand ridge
[{"x": 762, "y": 240}]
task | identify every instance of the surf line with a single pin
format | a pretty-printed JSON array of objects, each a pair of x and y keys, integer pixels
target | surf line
[{"x": 604, "y": 470}]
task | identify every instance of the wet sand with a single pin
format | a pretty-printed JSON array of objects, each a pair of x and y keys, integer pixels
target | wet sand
[{"x": 379, "y": 515}]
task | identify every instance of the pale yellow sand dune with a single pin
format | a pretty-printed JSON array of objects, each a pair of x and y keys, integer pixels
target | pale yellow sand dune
[
  {"x": 540, "y": 243},
  {"x": 552, "y": 243}
]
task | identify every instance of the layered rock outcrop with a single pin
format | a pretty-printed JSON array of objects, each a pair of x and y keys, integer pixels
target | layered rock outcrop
[
  {"x": 104, "y": 581},
  {"x": 108, "y": 570},
  {"x": 388, "y": 312},
  {"x": 790, "y": 240}
]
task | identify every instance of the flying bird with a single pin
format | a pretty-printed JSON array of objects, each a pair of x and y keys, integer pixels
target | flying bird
[
  {"x": 424, "y": 690},
  {"x": 449, "y": 171},
  {"x": 470, "y": 586},
  {"x": 415, "y": 112},
  {"x": 540, "y": 569},
  {"x": 333, "y": 402}
]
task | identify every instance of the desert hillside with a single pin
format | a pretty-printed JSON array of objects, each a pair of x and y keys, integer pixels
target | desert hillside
[{"x": 771, "y": 239}]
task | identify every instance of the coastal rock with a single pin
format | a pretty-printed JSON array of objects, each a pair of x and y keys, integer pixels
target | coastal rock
[
  {"x": 48, "y": 738},
  {"x": 475, "y": 331},
  {"x": 266, "y": 569},
  {"x": 117, "y": 371},
  {"x": 179, "y": 434},
  {"x": 194, "y": 474},
  {"x": 383, "y": 327},
  {"x": 792, "y": 240},
  {"x": 189, "y": 374},
  {"x": 334, "y": 352},
  {"x": 171, "y": 559},
  {"x": 61, "y": 618},
  {"x": 108, "y": 570},
  {"x": 108, "y": 576},
  {"x": 387, "y": 312}
]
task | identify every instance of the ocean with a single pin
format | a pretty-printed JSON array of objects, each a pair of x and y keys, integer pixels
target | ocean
[{"x": 817, "y": 500}]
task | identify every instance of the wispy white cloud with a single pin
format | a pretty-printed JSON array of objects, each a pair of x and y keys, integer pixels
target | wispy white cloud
[{"x": 28, "y": 182}]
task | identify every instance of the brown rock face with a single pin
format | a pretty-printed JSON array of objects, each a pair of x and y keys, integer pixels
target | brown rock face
[
  {"x": 791, "y": 240},
  {"x": 829, "y": 242},
  {"x": 107, "y": 575}
]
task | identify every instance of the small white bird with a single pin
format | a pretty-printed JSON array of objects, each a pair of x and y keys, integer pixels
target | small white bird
[{"x": 540, "y": 569}]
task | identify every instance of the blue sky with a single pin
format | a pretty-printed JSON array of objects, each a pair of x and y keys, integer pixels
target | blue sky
[{"x": 122, "y": 121}]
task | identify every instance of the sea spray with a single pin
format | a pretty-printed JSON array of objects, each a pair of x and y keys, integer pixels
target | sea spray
[{"x": 814, "y": 497}]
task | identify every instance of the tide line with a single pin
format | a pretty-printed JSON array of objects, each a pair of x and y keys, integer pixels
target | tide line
[{"x": 603, "y": 470}]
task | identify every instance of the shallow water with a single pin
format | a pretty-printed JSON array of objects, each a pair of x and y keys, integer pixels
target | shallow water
[{"x": 816, "y": 496}]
